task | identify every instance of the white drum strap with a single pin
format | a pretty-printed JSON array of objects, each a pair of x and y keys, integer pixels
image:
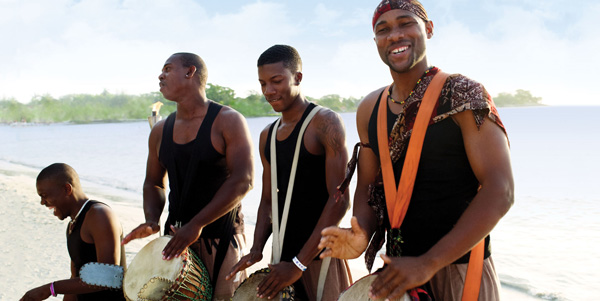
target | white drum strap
[
  {"x": 279, "y": 230},
  {"x": 322, "y": 276}
]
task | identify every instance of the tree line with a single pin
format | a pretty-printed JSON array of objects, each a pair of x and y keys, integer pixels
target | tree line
[{"x": 108, "y": 107}]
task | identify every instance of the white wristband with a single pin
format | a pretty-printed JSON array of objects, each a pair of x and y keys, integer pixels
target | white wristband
[{"x": 299, "y": 264}]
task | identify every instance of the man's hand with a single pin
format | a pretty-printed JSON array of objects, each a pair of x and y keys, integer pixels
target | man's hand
[
  {"x": 143, "y": 230},
  {"x": 344, "y": 243},
  {"x": 400, "y": 275},
  {"x": 282, "y": 274},
  {"x": 244, "y": 263},
  {"x": 182, "y": 238},
  {"x": 38, "y": 293}
]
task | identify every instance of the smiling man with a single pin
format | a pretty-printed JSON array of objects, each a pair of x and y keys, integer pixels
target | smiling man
[
  {"x": 463, "y": 184},
  {"x": 314, "y": 203},
  {"x": 93, "y": 234}
]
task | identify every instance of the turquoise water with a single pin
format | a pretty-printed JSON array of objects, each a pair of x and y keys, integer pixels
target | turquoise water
[{"x": 547, "y": 245}]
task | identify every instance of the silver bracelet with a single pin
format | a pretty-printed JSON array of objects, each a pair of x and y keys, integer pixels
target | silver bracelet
[{"x": 299, "y": 264}]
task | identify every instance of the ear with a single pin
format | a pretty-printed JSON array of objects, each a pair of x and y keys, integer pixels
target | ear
[
  {"x": 298, "y": 78},
  {"x": 68, "y": 189},
  {"x": 429, "y": 29},
  {"x": 191, "y": 72}
]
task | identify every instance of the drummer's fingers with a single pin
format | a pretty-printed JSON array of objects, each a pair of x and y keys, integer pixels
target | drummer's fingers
[
  {"x": 172, "y": 249},
  {"x": 241, "y": 265},
  {"x": 331, "y": 230},
  {"x": 386, "y": 282},
  {"x": 264, "y": 286},
  {"x": 134, "y": 234}
]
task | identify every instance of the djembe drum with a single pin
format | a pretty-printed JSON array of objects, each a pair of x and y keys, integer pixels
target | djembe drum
[
  {"x": 359, "y": 291},
  {"x": 151, "y": 278},
  {"x": 247, "y": 290}
]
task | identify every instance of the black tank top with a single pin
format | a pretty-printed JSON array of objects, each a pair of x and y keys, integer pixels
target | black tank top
[
  {"x": 210, "y": 174},
  {"x": 310, "y": 188},
  {"x": 445, "y": 185},
  {"x": 81, "y": 253}
]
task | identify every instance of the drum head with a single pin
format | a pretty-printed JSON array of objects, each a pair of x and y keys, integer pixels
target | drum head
[
  {"x": 359, "y": 291},
  {"x": 148, "y": 267},
  {"x": 247, "y": 290}
]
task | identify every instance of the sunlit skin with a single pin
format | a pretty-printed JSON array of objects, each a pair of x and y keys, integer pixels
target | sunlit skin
[
  {"x": 281, "y": 87},
  {"x": 100, "y": 227},
  {"x": 325, "y": 134},
  {"x": 229, "y": 136},
  {"x": 55, "y": 198},
  {"x": 400, "y": 37}
]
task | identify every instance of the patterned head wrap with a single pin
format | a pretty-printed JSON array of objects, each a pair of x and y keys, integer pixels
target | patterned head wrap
[{"x": 412, "y": 6}]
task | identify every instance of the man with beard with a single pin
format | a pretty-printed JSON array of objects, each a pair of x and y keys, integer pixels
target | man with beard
[{"x": 463, "y": 183}]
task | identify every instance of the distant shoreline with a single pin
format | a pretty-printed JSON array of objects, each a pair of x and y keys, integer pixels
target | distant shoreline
[{"x": 25, "y": 123}]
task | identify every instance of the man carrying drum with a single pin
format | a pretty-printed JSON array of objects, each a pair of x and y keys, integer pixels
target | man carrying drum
[
  {"x": 463, "y": 183},
  {"x": 93, "y": 235},
  {"x": 205, "y": 148},
  {"x": 304, "y": 205}
]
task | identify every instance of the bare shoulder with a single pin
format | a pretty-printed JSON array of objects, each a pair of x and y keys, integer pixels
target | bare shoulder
[
  {"x": 327, "y": 117},
  {"x": 232, "y": 125},
  {"x": 228, "y": 116},
  {"x": 366, "y": 105},
  {"x": 330, "y": 129},
  {"x": 263, "y": 139},
  {"x": 102, "y": 212}
]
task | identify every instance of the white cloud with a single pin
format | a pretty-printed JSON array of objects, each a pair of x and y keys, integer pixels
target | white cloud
[{"x": 63, "y": 47}]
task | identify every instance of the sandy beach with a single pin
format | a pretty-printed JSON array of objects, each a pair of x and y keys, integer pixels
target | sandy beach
[{"x": 34, "y": 243}]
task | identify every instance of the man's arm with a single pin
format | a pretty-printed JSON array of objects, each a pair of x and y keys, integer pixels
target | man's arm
[
  {"x": 263, "y": 228},
  {"x": 351, "y": 243},
  {"x": 154, "y": 188},
  {"x": 488, "y": 153},
  {"x": 328, "y": 128},
  {"x": 102, "y": 229},
  {"x": 238, "y": 156}
]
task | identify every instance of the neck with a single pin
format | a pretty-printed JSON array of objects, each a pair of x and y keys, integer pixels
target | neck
[
  {"x": 404, "y": 82},
  {"x": 78, "y": 204},
  {"x": 294, "y": 112},
  {"x": 192, "y": 106}
]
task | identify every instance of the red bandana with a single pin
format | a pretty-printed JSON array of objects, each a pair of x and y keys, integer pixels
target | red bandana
[{"x": 412, "y": 6}]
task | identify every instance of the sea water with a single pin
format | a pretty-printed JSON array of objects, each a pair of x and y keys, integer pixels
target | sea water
[{"x": 546, "y": 246}]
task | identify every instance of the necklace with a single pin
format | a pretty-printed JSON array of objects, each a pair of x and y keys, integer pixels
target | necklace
[
  {"x": 72, "y": 222},
  {"x": 401, "y": 102}
]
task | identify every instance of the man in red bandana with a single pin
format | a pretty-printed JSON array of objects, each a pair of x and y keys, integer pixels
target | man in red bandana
[{"x": 463, "y": 184}]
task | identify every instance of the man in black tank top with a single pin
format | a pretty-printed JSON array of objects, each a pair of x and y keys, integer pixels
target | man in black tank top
[
  {"x": 205, "y": 149},
  {"x": 463, "y": 183},
  {"x": 314, "y": 203},
  {"x": 93, "y": 235}
]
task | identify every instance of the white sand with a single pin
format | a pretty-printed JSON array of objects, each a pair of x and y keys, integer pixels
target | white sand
[{"x": 34, "y": 243}]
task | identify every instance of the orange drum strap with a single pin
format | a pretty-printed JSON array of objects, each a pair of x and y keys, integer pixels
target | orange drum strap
[{"x": 397, "y": 200}]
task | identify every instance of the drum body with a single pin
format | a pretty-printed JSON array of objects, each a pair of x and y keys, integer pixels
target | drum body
[
  {"x": 359, "y": 291},
  {"x": 247, "y": 290},
  {"x": 151, "y": 278}
]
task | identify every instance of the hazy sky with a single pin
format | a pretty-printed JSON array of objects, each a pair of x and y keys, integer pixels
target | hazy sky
[{"x": 60, "y": 47}]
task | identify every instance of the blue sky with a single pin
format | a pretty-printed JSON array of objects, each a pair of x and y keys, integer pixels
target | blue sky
[{"x": 60, "y": 47}]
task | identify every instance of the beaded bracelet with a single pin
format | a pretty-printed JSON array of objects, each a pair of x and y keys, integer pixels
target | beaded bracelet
[
  {"x": 52, "y": 291},
  {"x": 299, "y": 264}
]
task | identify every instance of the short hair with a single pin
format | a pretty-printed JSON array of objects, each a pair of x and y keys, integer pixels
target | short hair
[
  {"x": 59, "y": 173},
  {"x": 190, "y": 59},
  {"x": 281, "y": 53}
]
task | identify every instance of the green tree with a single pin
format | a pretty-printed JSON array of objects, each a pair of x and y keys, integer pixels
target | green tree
[
  {"x": 519, "y": 98},
  {"x": 222, "y": 95}
]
